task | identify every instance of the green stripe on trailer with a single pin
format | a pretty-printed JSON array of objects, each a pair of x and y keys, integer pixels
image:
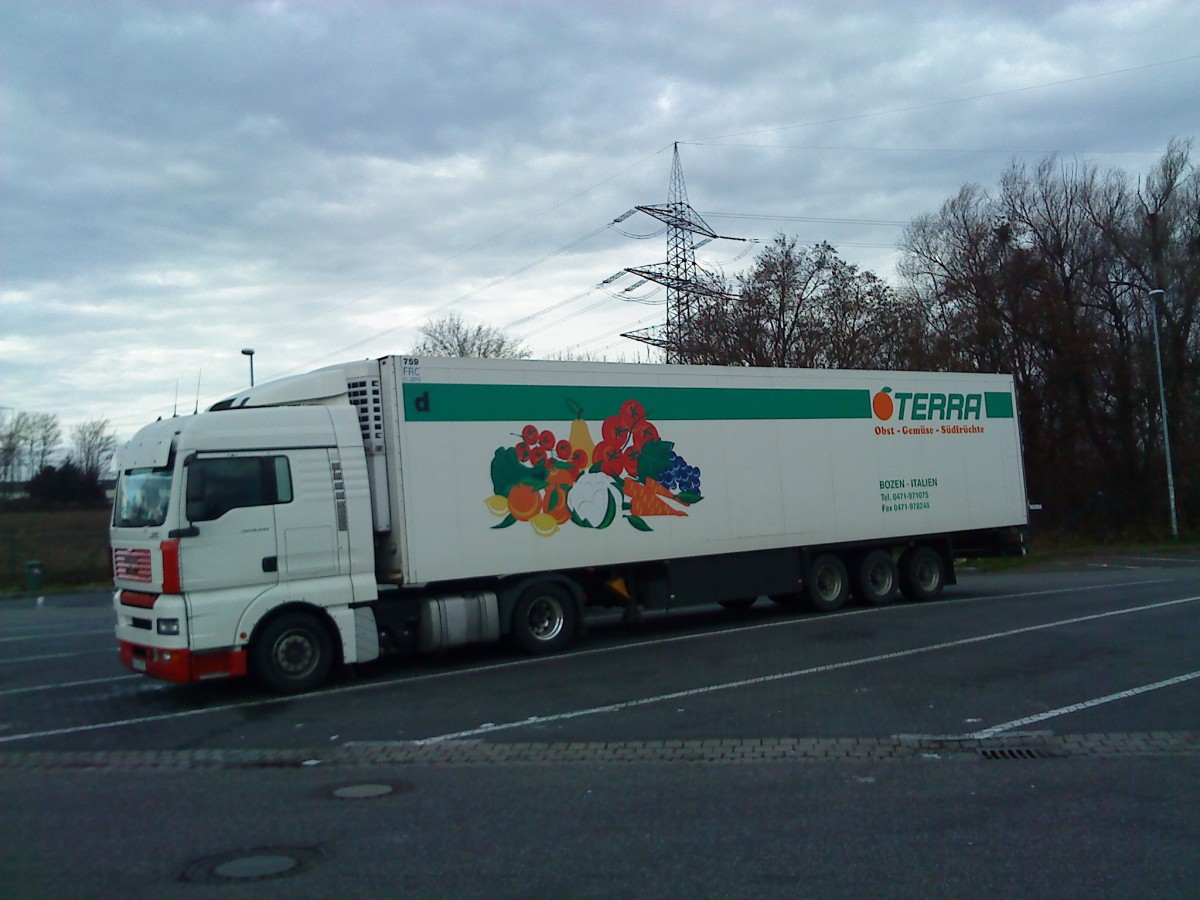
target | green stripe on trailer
[
  {"x": 998, "y": 405},
  {"x": 428, "y": 402}
]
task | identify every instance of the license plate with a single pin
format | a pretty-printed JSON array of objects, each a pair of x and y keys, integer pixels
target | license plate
[{"x": 139, "y": 665}]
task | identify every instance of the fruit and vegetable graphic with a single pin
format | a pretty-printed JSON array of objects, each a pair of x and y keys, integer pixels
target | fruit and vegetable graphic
[{"x": 631, "y": 474}]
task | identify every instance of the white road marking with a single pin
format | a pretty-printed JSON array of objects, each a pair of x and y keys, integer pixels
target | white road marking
[
  {"x": 1167, "y": 559},
  {"x": 544, "y": 660},
  {"x": 50, "y": 635},
  {"x": 112, "y": 651},
  {"x": 1086, "y": 704},
  {"x": 66, "y": 684},
  {"x": 783, "y": 676}
]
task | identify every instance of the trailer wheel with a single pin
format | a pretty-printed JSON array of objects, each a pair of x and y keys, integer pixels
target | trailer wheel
[
  {"x": 545, "y": 619},
  {"x": 922, "y": 573},
  {"x": 827, "y": 586},
  {"x": 876, "y": 578},
  {"x": 293, "y": 653}
]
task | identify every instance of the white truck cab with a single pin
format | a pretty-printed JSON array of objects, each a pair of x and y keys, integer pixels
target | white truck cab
[{"x": 242, "y": 540}]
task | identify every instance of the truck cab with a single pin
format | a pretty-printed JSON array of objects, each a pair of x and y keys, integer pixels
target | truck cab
[{"x": 242, "y": 542}]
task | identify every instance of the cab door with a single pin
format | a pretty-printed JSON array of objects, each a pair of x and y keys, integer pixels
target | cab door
[
  {"x": 310, "y": 542},
  {"x": 230, "y": 555}
]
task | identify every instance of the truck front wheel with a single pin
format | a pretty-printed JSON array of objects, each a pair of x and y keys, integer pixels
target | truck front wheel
[
  {"x": 922, "y": 573},
  {"x": 828, "y": 584},
  {"x": 293, "y": 653},
  {"x": 545, "y": 619}
]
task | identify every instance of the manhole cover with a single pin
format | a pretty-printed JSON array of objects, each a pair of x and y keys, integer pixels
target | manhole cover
[
  {"x": 367, "y": 791},
  {"x": 259, "y": 864},
  {"x": 363, "y": 791}
]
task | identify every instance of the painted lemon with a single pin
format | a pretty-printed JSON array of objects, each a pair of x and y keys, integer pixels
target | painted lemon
[
  {"x": 497, "y": 505},
  {"x": 544, "y": 524}
]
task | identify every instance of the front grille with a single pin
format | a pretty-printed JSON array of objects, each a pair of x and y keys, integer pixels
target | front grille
[{"x": 132, "y": 565}]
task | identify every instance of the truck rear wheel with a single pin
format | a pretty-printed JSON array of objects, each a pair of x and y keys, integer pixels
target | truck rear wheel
[
  {"x": 293, "y": 653},
  {"x": 876, "y": 578},
  {"x": 922, "y": 573},
  {"x": 545, "y": 619},
  {"x": 828, "y": 584}
]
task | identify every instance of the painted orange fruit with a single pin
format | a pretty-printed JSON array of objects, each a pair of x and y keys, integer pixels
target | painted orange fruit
[
  {"x": 524, "y": 502},
  {"x": 882, "y": 404},
  {"x": 555, "y": 503}
]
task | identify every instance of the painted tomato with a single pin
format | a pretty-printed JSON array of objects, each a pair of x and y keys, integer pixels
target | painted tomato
[
  {"x": 642, "y": 432},
  {"x": 611, "y": 458},
  {"x": 632, "y": 412}
]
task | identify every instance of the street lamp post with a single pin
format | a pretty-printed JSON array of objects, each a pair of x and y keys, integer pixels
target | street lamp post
[
  {"x": 1155, "y": 296},
  {"x": 249, "y": 351}
]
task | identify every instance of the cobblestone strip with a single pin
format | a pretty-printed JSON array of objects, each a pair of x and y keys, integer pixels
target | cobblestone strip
[{"x": 718, "y": 751}]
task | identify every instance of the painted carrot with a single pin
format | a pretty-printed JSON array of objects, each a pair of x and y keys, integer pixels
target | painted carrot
[{"x": 648, "y": 499}]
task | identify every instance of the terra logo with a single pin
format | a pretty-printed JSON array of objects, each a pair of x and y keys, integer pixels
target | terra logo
[{"x": 925, "y": 406}]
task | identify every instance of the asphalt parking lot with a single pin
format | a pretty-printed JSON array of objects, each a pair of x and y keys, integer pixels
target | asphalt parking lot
[{"x": 1061, "y": 703}]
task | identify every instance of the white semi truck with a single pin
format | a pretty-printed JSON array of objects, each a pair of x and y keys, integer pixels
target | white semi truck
[{"x": 415, "y": 504}]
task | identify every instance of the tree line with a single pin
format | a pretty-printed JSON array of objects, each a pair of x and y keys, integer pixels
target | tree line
[
  {"x": 1046, "y": 277},
  {"x": 29, "y": 442}
]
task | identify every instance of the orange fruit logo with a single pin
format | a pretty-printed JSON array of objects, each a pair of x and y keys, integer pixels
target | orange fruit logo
[{"x": 882, "y": 404}]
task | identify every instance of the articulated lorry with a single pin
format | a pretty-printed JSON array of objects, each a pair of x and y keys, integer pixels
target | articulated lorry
[{"x": 415, "y": 504}]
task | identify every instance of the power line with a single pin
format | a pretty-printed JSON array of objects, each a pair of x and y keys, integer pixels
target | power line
[
  {"x": 935, "y": 103},
  {"x": 814, "y": 219},
  {"x": 973, "y": 151}
]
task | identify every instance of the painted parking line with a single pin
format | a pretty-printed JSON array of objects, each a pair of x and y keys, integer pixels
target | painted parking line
[
  {"x": 673, "y": 696},
  {"x": 66, "y": 684},
  {"x": 49, "y": 635},
  {"x": 1086, "y": 704},
  {"x": 619, "y": 648},
  {"x": 111, "y": 651}
]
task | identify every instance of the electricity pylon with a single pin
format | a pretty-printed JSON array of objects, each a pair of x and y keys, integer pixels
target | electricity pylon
[{"x": 686, "y": 283}]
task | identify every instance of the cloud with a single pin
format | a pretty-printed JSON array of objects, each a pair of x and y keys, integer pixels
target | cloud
[{"x": 182, "y": 180}]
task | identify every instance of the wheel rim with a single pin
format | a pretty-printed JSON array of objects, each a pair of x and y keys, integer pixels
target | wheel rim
[
  {"x": 927, "y": 575},
  {"x": 829, "y": 584},
  {"x": 546, "y": 618},
  {"x": 880, "y": 579},
  {"x": 296, "y": 653}
]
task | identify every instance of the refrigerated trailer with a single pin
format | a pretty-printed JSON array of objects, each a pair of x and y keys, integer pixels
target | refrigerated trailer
[{"x": 413, "y": 504}]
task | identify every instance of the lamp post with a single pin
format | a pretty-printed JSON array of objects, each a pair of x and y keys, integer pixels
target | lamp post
[
  {"x": 249, "y": 351},
  {"x": 1155, "y": 296}
]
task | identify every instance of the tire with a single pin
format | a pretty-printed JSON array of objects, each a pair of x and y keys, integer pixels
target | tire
[
  {"x": 545, "y": 619},
  {"x": 876, "y": 578},
  {"x": 741, "y": 604},
  {"x": 828, "y": 584},
  {"x": 293, "y": 653},
  {"x": 922, "y": 573}
]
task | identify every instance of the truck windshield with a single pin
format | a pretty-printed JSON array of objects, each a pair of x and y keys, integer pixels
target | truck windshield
[{"x": 142, "y": 497}]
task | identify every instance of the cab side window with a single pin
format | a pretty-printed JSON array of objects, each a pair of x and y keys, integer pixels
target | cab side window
[{"x": 215, "y": 486}]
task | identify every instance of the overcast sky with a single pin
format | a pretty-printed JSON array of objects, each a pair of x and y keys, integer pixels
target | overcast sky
[{"x": 314, "y": 180}]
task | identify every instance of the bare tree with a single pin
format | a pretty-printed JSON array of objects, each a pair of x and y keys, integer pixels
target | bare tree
[
  {"x": 450, "y": 335},
  {"x": 92, "y": 446},
  {"x": 802, "y": 306},
  {"x": 12, "y": 441},
  {"x": 1048, "y": 279},
  {"x": 45, "y": 437}
]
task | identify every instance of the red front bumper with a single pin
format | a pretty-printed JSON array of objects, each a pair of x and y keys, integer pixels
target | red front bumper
[{"x": 182, "y": 665}]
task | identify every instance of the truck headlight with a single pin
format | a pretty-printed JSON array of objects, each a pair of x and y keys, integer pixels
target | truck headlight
[{"x": 168, "y": 626}]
